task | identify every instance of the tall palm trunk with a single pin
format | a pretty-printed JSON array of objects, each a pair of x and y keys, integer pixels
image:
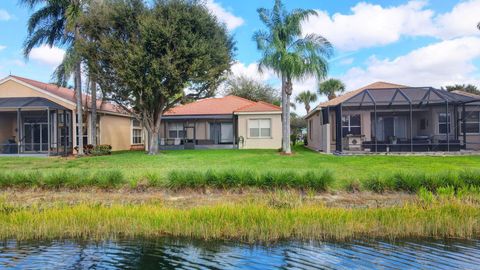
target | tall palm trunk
[
  {"x": 78, "y": 96},
  {"x": 94, "y": 113},
  {"x": 285, "y": 118}
]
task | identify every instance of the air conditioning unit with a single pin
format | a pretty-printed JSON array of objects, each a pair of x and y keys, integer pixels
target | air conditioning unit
[{"x": 353, "y": 142}]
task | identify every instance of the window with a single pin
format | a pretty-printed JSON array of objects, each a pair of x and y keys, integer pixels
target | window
[
  {"x": 351, "y": 124},
  {"x": 472, "y": 122},
  {"x": 444, "y": 123},
  {"x": 137, "y": 132},
  {"x": 175, "y": 130},
  {"x": 259, "y": 128}
]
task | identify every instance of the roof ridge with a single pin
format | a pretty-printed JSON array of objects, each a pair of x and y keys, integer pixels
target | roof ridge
[{"x": 268, "y": 103}]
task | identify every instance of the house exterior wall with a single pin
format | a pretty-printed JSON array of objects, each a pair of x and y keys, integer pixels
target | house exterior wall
[
  {"x": 314, "y": 132},
  {"x": 116, "y": 131},
  {"x": 318, "y": 135},
  {"x": 273, "y": 142}
]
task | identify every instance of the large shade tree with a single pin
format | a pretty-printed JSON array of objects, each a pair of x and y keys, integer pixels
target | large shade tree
[
  {"x": 56, "y": 23},
  {"x": 290, "y": 54},
  {"x": 149, "y": 58},
  {"x": 331, "y": 88},
  {"x": 306, "y": 98}
]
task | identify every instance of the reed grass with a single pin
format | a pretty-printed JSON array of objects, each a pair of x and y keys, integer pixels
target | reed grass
[
  {"x": 246, "y": 222},
  {"x": 319, "y": 181},
  {"x": 63, "y": 179},
  {"x": 413, "y": 182}
]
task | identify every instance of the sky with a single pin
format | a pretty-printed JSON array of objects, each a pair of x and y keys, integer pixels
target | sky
[{"x": 415, "y": 43}]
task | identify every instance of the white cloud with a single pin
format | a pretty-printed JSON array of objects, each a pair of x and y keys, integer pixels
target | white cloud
[
  {"x": 438, "y": 64},
  {"x": 461, "y": 21},
  {"x": 2, "y": 47},
  {"x": 372, "y": 25},
  {"x": 251, "y": 71},
  {"x": 224, "y": 16},
  {"x": 44, "y": 54},
  {"x": 4, "y": 15}
]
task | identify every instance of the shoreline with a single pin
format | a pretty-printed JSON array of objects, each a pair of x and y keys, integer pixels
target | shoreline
[{"x": 253, "y": 216}]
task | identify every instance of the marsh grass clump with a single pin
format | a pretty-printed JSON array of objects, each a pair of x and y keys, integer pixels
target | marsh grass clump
[
  {"x": 413, "y": 182},
  {"x": 72, "y": 179},
  {"x": 353, "y": 186},
  {"x": 108, "y": 179},
  {"x": 319, "y": 181},
  {"x": 64, "y": 178},
  {"x": 404, "y": 181},
  {"x": 377, "y": 184},
  {"x": 21, "y": 179}
]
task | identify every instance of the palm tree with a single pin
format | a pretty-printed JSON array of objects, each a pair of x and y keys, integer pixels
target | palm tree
[
  {"x": 289, "y": 55},
  {"x": 56, "y": 24},
  {"x": 306, "y": 97},
  {"x": 330, "y": 88}
]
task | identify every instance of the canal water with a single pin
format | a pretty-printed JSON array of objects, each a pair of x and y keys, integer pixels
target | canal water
[{"x": 187, "y": 254}]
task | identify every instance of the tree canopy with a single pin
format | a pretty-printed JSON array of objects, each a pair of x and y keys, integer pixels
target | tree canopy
[
  {"x": 252, "y": 89},
  {"x": 305, "y": 98},
  {"x": 330, "y": 88},
  {"x": 469, "y": 88},
  {"x": 147, "y": 59}
]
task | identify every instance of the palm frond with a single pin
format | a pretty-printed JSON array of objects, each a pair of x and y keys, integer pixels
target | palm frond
[{"x": 65, "y": 70}]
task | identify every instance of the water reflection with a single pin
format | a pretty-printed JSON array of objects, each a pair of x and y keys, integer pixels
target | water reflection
[{"x": 191, "y": 254}]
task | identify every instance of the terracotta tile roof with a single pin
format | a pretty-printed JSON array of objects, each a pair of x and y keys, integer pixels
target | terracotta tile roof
[
  {"x": 69, "y": 94},
  {"x": 223, "y": 105}
]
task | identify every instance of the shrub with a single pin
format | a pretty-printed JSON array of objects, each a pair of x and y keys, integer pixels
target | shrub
[{"x": 102, "y": 150}]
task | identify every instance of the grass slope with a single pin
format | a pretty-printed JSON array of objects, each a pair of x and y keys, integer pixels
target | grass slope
[{"x": 135, "y": 165}]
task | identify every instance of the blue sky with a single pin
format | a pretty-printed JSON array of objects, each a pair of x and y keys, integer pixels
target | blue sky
[{"x": 415, "y": 42}]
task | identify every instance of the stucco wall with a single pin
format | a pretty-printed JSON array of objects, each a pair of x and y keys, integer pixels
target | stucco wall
[
  {"x": 116, "y": 131},
  {"x": 275, "y": 140}
]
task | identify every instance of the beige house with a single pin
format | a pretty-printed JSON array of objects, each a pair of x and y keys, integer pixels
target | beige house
[
  {"x": 386, "y": 117},
  {"x": 39, "y": 118},
  {"x": 226, "y": 122}
]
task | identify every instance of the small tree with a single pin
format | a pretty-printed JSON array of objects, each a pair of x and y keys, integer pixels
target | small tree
[
  {"x": 305, "y": 98},
  {"x": 147, "y": 59},
  {"x": 330, "y": 88},
  {"x": 251, "y": 89}
]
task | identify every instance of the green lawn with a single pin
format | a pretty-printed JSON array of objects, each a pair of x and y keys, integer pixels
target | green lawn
[{"x": 137, "y": 164}]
